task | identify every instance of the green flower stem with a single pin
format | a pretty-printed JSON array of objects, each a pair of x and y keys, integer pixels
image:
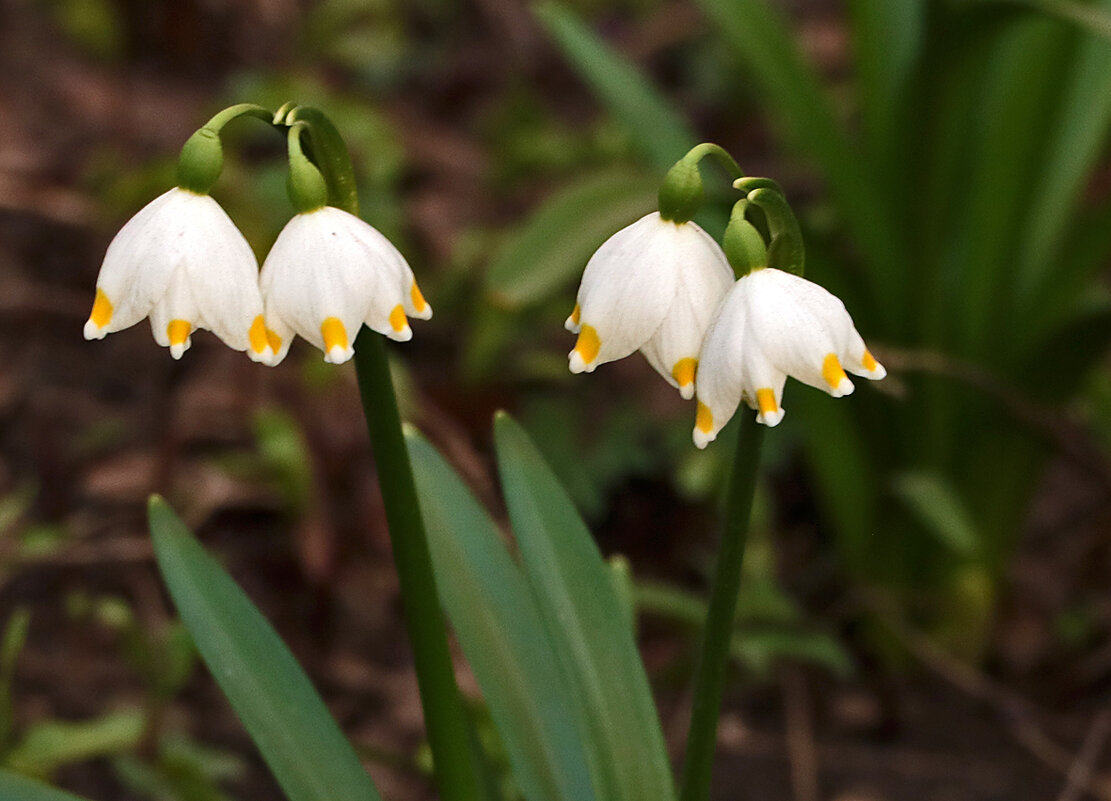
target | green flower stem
[
  {"x": 239, "y": 110},
  {"x": 444, "y": 716},
  {"x": 718, "y": 631}
]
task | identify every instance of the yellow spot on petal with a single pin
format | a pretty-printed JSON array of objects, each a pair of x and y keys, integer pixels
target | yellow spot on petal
[
  {"x": 765, "y": 401},
  {"x": 178, "y": 331},
  {"x": 868, "y": 362},
  {"x": 274, "y": 340},
  {"x": 101, "y": 314},
  {"x": 576, "y": 314},
  {"x": 588, "y": 344},
  {"x": 832, "y": 372},
  {"x": 335, "y": 335},
  {"x": 419, "y": 303},
  {"x": 704, "y": 418},
  {"x": 397, "y": 318},
  {"x": 257, "y": 335},
  {"x": 684, "y": 370}
]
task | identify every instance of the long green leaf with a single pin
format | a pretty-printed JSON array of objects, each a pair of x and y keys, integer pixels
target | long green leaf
[
  {"x": 887, "y": 42},
  {"x": 656, "y": 130},
  {"x": 794, "y": 94},
  {"x": 559, "y": 238},
  {"x": 500, "y": 629},
  {"x": 584, "y": 618},
  {"x": 49, "y": 744},
  {"x": 14, "y": 787},
  {"x": 934, "y": 502},
  {"x": 286, "y": 718},
  {"x": 1022, "y": 96},
  {"x": 1080, "y": 132}
]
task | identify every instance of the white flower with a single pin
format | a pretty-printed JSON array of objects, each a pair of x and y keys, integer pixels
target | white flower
[
  {"x": 772, "y": 325},
  {"x": 327, "y": 275},
  {"x": 182, "y": 261},
  {"x": 652, "y": 286}
]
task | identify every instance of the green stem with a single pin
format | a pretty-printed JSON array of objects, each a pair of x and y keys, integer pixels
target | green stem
[
  {"x": 718, "y": 631},
  {"x": 449, "y": 733},
  {"x": 444, "y": 716},
  {"x": 699, "y": 152},
  {"x": 239, "y": 110}
]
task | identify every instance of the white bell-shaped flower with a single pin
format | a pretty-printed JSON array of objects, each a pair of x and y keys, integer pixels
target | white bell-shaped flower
[
  {"x": 771, "y": 325},
  {"x": 182, "y": 261},
  {"x": 328, "y": 274},
  {"x": 653, "y": 287}
]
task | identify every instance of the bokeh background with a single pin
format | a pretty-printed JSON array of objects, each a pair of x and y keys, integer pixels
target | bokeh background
[{"x": 926, "y": 606}]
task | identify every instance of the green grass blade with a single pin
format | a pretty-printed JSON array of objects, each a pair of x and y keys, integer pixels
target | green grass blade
[
  {"x": 1022, "y": 91},
  {"x": 554, "y": 245},
  {"x": 887, "y": 42},
  {"x": 1087, "y": 15},
  {"x": 764, "y": 43},
  {"x": 584, "y": 618},
  {"x": 500, "y": 629},
  {"x": 286, "y": 718},
  {"x": 14, "y": 787},
  {"x": 655, "y": 128},
  {"x": 940, "y": 510},
  {"x": 1080, "y": 132}
]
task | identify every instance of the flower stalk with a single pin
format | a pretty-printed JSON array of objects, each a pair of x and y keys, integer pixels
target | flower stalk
[
  {"x": 717, "y": 634},
  {"x": 445, "y": 719}
]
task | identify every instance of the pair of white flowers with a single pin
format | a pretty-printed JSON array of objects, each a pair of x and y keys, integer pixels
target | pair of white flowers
[
  {"x": 667, "y": 289},
  {"x": 183, "y": 262}
]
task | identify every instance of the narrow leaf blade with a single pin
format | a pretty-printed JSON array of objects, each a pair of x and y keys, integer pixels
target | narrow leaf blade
[
  {"x": 14, "y": 787},
  {"x": 584, "y": 618},
  {"x": 656, "y": 129},
  {"x": 558, "y": 239},
  {"x": 497, "y": 622},
  {"x": 286, "y": 718}
]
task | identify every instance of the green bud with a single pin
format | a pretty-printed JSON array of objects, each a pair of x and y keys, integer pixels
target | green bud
[
  {"x": 743, "y": 244},
  {"x": 200, "y": 162},
  {"x": 307, "y": 188},
  {"x": 308, "y": 191},
  {"x": 786, "y": 251},
  {"x": 681, "y": 191}
]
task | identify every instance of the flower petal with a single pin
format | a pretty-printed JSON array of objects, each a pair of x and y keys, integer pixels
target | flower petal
[
  {"x": 798, "y": 325},
  {"x": 141, "y": 260},
  {"x": 673, "y": 349},
  {"x": 720, "y": 382},
  {"x": 626, "y": 290}
]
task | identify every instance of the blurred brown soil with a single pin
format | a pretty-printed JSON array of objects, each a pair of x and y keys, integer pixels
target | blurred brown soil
[{"x": 89, "y": 429}]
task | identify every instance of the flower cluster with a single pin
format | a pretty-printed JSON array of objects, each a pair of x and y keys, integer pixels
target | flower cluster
[
  {"x": 183, "y": 263},
  {"x": 665, "y": 287}
]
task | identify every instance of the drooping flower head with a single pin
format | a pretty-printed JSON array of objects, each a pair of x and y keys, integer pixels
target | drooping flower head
[
  {"x": 330, "y": 272},
  {"x": 653, "y": 287},
  {"x": 772, "y": 325},
  {"x": 182, "y": 262}
]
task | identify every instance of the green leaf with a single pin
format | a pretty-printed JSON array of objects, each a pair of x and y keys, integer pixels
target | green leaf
[
  {"x": 558, "y": 239},
  {"x": 583, "y": 617},
  {"x": 50, "y": 744},
  {"x": 655, "y": 128},
  {"x": 938, "y": 507},
  {"x": 14, "y": 787},
  {"x": 762, "y": 40},
  {"x": 14, "y": 637},
  {"x": 1080, "y": 132},
  {"x": 502, "y": 634},
  {"x": 286, "y": 718},
  {"x": 1022, "y": 97}
]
